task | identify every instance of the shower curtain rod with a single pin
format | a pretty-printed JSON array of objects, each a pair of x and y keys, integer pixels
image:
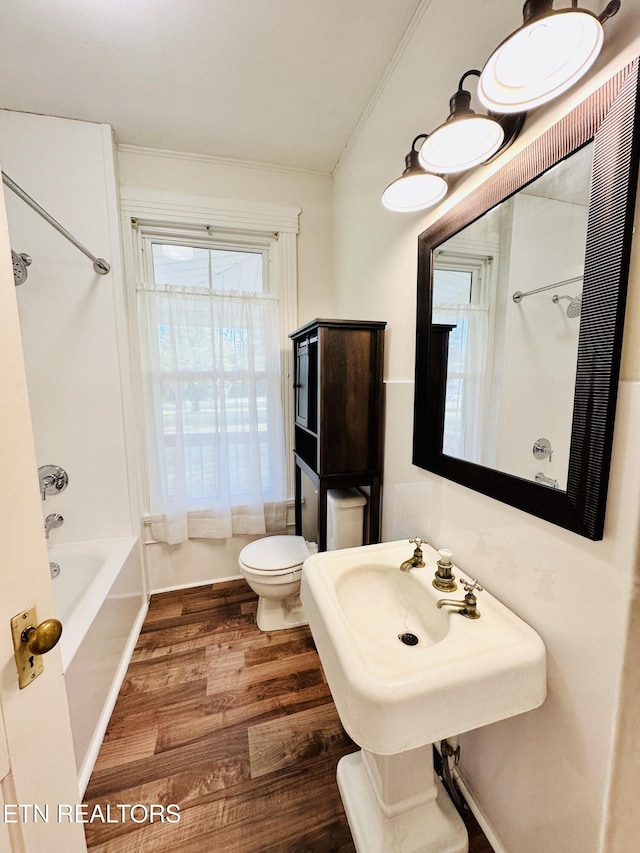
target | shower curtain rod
[
  {"x": 99, "y": 264},
  {"x": 518, "y": 295}
]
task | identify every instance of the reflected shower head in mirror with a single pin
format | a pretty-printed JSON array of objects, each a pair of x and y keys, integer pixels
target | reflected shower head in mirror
[{"x": 574, "y": 307}]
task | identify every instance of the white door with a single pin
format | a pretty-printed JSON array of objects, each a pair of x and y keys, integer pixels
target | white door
[{"x": 37, "y": 765}]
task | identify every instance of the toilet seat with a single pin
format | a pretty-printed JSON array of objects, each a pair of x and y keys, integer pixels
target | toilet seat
[
  {"x": 275, "y": 555},
  {"x": 271, "y": 575}
]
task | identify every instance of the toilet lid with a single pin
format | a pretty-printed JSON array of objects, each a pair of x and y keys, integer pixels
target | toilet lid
[{"x": 274, "y": 553}]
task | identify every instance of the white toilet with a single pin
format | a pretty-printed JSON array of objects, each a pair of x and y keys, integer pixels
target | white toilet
[{"x": 272, "y": 566}]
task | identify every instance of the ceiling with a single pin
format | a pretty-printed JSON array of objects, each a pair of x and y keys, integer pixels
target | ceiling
[{"x": 272, "y": 81}]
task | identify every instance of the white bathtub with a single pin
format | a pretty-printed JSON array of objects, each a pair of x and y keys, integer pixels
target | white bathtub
[{"x": 100, "y": 602}]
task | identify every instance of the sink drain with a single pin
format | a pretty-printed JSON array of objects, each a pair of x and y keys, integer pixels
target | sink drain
[{"x": 409, "y": 639}]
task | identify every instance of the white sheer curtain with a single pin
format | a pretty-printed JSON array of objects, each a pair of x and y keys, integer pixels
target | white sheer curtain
[
  {"x": 214, "y": 423},
  {"x": 467, "y": 394}
]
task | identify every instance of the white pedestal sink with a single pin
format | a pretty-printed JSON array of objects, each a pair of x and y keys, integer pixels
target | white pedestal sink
[{"x": 396, "y": 700}]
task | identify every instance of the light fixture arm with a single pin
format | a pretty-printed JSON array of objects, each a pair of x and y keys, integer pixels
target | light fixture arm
[
  {"x": 610, "y": 10},
  {"x": 411, "y": 160},
  {"x": 466, "y": 74},
  {"x": 538, "y": 8},
  {"x": 413, "y": 144},
  {"x": 460, "y": 103}
]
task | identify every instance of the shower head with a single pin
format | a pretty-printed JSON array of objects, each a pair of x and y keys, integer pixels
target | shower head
[
  {"x": 20, "y": 264},
  {"x": 574, "y": 307}
]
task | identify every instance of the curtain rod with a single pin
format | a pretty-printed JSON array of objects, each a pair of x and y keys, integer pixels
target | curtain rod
[{"x": 99, "y": 264}]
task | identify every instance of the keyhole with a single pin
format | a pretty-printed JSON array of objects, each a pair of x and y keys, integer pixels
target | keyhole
[{"x": 31, "y": 659}]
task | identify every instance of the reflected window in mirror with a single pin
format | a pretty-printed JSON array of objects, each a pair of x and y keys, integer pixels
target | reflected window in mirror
[{"x": 463, "y": 297}]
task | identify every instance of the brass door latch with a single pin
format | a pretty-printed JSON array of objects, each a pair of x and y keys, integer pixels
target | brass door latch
[{"x": 32, "y": 640}]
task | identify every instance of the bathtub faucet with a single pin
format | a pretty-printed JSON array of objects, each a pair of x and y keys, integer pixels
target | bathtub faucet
[
  {"x": 52, "y": 521},
  {"x": 53, "y": 480}
]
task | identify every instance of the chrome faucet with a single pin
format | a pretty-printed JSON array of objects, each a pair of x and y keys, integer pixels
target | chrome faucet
[
  {"x": 53, "y": 480},
  {"x": 416, "y": 561},
  {"x": 52, "y": 521},
  {"x": 467, "y": 607}
]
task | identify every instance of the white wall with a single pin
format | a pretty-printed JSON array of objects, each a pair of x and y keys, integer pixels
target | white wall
[
  {"x": 68, "y": 315},
  {"x": 541, "y": 342},
  {"x": 542, "y": 779},
  {"x": 200, "y": 561}
]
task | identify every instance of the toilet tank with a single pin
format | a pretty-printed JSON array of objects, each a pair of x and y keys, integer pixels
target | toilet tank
[{"x": 345, "y": 518}]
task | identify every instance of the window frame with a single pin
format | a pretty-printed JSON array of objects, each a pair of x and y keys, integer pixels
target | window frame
[{"x": 273, "y": 228}]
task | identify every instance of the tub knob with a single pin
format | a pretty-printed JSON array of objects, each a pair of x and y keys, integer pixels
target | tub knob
[{"x": 43, "y": 638}]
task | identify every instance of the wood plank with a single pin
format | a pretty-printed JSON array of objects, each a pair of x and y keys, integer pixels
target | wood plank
[
  {"x": 225, "y": 757},
  {"x": 284, "y": 649},
  {"x": 132, "y": 745},
  {"x": 232, "y": 601},
  {"x": 162, "y": 612},
  {"x": 208, "y": 724},
  {"x": 130, "y": 700},
  {"x": 162, "y": 673},
  {"x": 296, "y": 738}
]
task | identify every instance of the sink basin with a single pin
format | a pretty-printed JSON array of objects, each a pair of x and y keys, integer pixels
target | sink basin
[
  {"x": 459, "y": 675},
  {"x": 381, "y": 607}
]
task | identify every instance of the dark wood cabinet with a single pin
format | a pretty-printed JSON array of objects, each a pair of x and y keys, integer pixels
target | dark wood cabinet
[{"x": 339, "y": 413}]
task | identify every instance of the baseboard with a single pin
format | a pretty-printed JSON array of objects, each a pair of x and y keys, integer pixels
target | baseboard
[
  {"x": 484, "y": 824},
  {"x": 211, "y": 582}
]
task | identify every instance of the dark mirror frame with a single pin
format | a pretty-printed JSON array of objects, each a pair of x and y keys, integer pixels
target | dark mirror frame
[{"x": 610, "y": 117}]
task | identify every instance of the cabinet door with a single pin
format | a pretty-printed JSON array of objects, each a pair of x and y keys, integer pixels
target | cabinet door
[
  {"x": 302, "y": 383},
  {"x": 351, "y": 402},
  {"x": 306, "y": 383}
]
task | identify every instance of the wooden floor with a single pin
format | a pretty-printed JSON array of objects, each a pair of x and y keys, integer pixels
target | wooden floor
[{"x": 234, "y": 726}]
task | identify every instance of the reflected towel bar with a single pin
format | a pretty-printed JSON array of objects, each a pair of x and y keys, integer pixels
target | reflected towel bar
[
  {"x": 99, "y": 264},
  {"x": 518, "y": 295}
]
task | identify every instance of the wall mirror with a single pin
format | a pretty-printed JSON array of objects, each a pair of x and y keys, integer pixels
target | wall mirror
[{"x": 521, "y": 297}]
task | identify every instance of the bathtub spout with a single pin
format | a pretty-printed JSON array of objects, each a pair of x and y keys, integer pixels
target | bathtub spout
[{"x": 51, "y": 521}]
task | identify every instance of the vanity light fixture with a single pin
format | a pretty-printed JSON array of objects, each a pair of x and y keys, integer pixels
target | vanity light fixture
[
  {"x": 550, "y": 52},
  {"x": 466, "y": 139},
  {"x": 416, "y": 188}
]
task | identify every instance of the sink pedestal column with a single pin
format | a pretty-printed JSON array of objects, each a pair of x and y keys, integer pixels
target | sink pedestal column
[{"x": 397, "y": 804}]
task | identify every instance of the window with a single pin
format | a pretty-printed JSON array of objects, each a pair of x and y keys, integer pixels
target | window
[
  {"x": 210, "y": 352},
  {"x": 222, "y": 270}
]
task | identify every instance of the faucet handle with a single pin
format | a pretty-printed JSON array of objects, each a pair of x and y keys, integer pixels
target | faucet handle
[
  {"x": 418, "y": 542},
  {"x": 53, "y": 479},
  {"x": 445, "y": 556},
  {"x": 470, "y": 585}
]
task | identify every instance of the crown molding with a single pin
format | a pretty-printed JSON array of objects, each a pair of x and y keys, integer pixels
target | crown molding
[{"x": 212, "y": 160}]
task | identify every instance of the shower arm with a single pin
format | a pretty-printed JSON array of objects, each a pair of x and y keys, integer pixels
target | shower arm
[
  {"x": 518, "y": 295},
  {"x": 99, "y": 264}
]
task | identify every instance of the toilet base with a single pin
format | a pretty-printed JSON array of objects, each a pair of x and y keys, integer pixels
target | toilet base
[{"x": 276, "y": 614}]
